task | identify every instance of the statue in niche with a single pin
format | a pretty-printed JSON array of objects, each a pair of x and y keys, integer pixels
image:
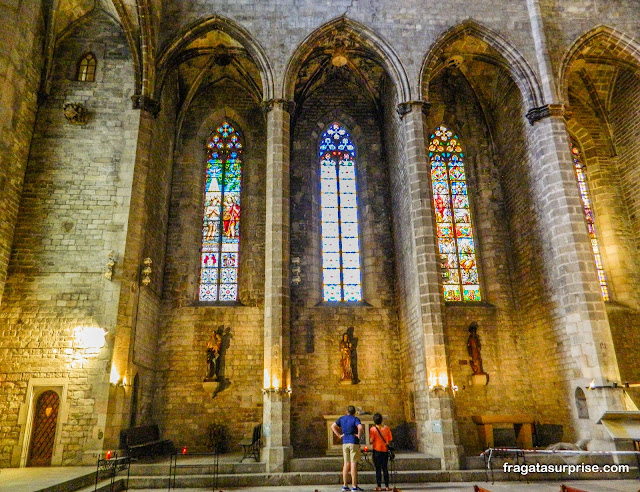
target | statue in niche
[
  {"x": 346, "y": 356},
  {"x": 214, "y": 347},
  {"x": 473, "y": 347}
]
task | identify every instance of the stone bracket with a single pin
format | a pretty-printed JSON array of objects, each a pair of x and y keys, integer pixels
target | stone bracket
[
  {"x": 140, "y": 101},
  {"x": 537, "y": 114},
  {"x": 288, "y": 106},
  {"x": 406, "y": 107}
]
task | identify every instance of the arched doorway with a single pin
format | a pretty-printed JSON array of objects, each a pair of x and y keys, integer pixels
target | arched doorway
[{"x": 44, "y": 429}]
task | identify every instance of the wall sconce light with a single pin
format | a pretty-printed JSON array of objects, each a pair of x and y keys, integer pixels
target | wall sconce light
[
  {"x": 439, "y": 383},
  {"x": 295, "y": 270},
  {"x": 115, "y": 379},
  {"x": 89, "y": 337},
  {"x": 108, "y": 272},
  {"x": 146, "y": 271},
  {"x": 272, "y": 385},
  {"x": 610, "y": 385}
]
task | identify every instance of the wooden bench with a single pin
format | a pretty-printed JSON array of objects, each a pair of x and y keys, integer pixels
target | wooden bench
[
  {"x": 251, "y": 446},
  {"x": 144, "y": 441},
  {"x": 523, "y": 426}
]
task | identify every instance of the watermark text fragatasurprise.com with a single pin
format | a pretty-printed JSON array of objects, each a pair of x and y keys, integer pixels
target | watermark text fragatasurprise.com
[{"x": 525, "y": 469}]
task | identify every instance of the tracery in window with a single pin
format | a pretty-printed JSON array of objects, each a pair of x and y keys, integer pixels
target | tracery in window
[
  {"x": 221, "y": 218},
  {"x": 341, "y": 277},
  {"x": 456, "y": 244},
  {"x": 87, "y": 68},
  {"x": 589, "y": 218}
]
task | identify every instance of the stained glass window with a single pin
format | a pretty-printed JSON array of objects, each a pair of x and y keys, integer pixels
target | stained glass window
[
  {"x": 339, "y": 215},
  {"x": 87, "y": 68},
  {"x": 456, "y": 245},
  {"x": 221, "y": 218},
  {"x": 588, "y": 215}
]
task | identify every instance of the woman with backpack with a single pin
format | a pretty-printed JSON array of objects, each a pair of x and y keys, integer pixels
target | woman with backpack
[{"x": 380, "y": 438}]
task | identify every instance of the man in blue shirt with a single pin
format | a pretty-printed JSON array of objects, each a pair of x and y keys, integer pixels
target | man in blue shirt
[{"x": 349, "y": 429}]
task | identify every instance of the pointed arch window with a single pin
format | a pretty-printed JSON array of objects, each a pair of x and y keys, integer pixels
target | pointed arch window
[
  {"x": 456, "y": 244},
  {"x": 581, "y": 176},
  {"x": 221, "y": 219},
  {"x": 341, "y": 278},
  {"x": 87, "y": 68}
]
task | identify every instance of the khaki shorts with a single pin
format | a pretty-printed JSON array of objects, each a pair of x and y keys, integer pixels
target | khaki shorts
[{"x": 351, "y": 453}]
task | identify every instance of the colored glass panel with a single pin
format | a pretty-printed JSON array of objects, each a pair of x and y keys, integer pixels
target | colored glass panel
[
  {"x": 456, "y": 244},
  {"x": 221, "y": 218},
  {"x": 87, "y": 68},
  {"x": 581, "y": 176},
  {"x": 341, "y": 276}
]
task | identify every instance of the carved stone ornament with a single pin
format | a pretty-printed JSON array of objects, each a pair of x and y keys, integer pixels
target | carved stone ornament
[{"x": 75, "y": 113}]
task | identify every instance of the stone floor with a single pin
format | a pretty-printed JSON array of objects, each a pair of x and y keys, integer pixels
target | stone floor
[
  {"x": 34, "y": 479},
  {"x": 31, "y": 479}
]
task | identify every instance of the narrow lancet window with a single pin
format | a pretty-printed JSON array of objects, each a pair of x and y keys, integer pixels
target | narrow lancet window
[
  {"x": 221, "y": 221},
  {"x": 87, "y": 68},
  {"x": 341, "y": 276},
  {"x": 456, "y": 244},
  {"x": 589, "y": 218}
]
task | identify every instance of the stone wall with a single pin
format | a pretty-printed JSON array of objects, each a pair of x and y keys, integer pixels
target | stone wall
[
  {"x": 182, "y": 406},
  {"x": 21, "y": 61},
  {"x": 73, "y": 213}
]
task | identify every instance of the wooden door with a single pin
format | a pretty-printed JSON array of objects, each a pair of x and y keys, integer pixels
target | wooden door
[{"x": 43, "y": 431}]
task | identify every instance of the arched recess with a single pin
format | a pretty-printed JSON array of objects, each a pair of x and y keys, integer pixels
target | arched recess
[
  {"x": 598, "y": 80},
  {"x": 493, "y": 48},
  {"x": 613, "y": 47},
  {"x": 173, "y": 53},
  {"x": 350, "y": 36}
]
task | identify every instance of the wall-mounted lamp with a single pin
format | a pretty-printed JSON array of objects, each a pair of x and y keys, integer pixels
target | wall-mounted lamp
[
  {"x": 108, "y": 271},
  {"x": 89, "y": 337},
  {"x": 115, "y": 378},
  {"x": 295, "y": 270},
  {"x": 272, "y": 385},
  {"x": 146, "y": 271},
  {"x": 610, "y": 385}
]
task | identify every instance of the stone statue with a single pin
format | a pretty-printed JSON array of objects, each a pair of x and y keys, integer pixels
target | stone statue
[
  {"x": 473, "y": 347},
  {"x": 213, "y": 355},
  {"x": 346, "y": 353}
]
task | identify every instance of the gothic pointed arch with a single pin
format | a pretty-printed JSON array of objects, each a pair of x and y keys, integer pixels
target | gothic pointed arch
[
  {"x": 337, "y": 30},
  {"x": 500, "y": 52},
  {"x": 611, "y": 47},
  {"x": 170, "y": 54}
]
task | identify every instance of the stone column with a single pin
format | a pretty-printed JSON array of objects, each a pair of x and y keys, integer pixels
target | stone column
[
  {"x": 437, "y": 428},
  {"x": 579, "y": 311},
  {"x": 580, "y": 317},
  {"x": 122, "y": 364},
  {"x": 277, "y": 376}
]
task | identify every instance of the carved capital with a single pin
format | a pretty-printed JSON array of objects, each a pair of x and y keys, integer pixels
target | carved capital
[
  {"x": 536, "y": 114},
  {"x": 140, "y": 101},
  {"x": 288, "y": 106},
  {"x": 406, "y": 107}
]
